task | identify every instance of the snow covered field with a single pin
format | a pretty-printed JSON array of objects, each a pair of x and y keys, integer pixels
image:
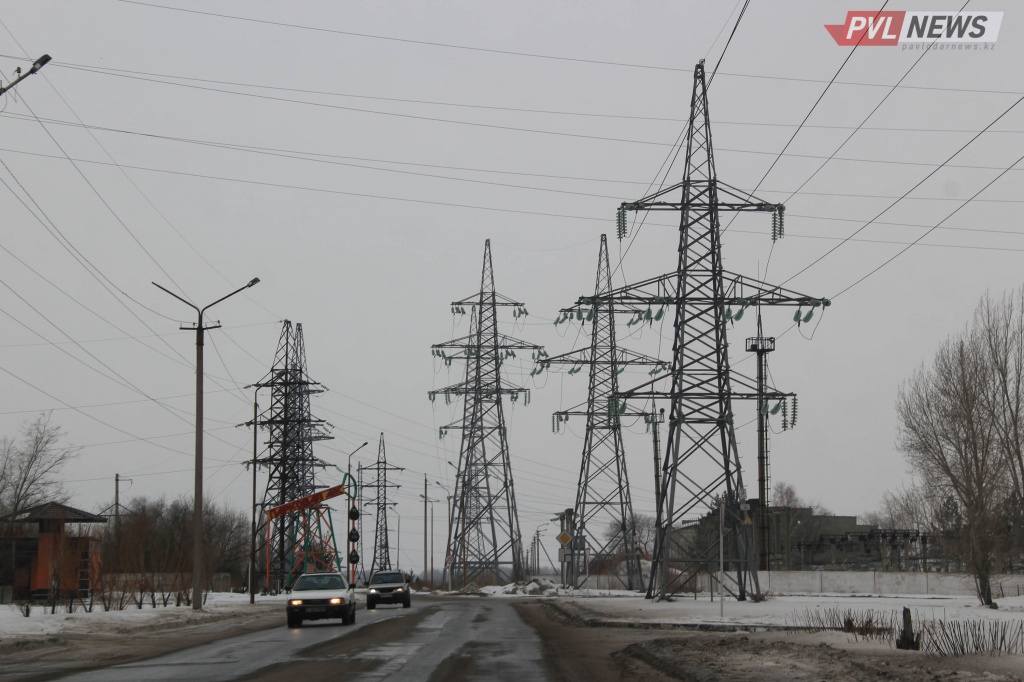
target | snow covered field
[
  {"x": 788, "y": 610},
  {"x": 41, "y": 622},
  {"x": 784, "y": 610},
  {"x": 609, "y": 605}
]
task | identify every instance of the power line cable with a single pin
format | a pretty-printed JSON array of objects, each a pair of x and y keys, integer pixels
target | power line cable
[
  {"x": 536, "y": 55},
  {"x": 810, "y": 112},
  {"x": 301, "y": 154},
  {"x": 596, "y": 219},
  {"x": 849, "y": 136},
  {"x": 911, "y": 245},
  {"x": 904, "y": 195}
]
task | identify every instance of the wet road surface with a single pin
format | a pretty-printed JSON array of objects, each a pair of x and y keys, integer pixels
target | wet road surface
[{"x": 437, "y": 639}]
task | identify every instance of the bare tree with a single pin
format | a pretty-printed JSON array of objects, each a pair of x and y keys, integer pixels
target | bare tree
[
  {"x": 30, "y": 466},
  {"x": 953, "y": 443},
  {"x": 999, "y": 325},
  {"x": 644, "y": 528}
]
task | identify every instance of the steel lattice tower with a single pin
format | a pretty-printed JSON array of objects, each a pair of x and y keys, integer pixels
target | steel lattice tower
[
  {"x": 296, "y": 542},
  {"x": 603, "y": 525},
  {"x": 484, "y": 540},
  {"x": 701, "y": 470},
  {"x": 379, "y": 484}
]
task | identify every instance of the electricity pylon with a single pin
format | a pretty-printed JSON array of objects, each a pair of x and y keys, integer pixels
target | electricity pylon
[
  {"x": 701, "y": 469},
  {"x": 295, "y": 542},
  {"x": 380, "y": 484},
  {"x": 603, "y": 524},
  {"x": 484, "y": 541}
]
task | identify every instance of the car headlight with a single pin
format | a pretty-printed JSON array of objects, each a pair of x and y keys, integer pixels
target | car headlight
[
  {"x": 399, "y": 589},
  {"x": 373, "y": 590},
  {"x": 337, "y": 600},
  {"x": 295, "y": 602}
]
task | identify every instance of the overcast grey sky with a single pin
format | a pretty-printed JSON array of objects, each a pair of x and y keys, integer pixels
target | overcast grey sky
[{"x": 367, "y": 243}]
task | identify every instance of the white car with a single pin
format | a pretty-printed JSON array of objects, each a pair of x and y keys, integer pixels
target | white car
[{"x": 321, "y": 595}]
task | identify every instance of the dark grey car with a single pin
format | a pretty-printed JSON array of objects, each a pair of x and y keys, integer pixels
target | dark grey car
[{"x": 388, "y": 587}]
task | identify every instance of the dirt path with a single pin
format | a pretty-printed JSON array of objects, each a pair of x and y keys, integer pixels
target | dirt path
[{"x": 582, "y": 654}]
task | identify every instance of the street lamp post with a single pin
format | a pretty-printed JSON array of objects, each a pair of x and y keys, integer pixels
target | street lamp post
[
  {"x": 426, "y": 498},
  {"x": 197, "y": 509},
  {"x": 398, "y": 540},
  {"x": 449, "y": 497},
  {"x": 353, "y": 521},
  {"x": 36, "y": 65}
]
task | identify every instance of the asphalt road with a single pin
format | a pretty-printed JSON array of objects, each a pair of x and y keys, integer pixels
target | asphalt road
[{"x": 437, "y": 639}]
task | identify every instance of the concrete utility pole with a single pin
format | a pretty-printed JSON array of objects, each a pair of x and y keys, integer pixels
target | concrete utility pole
[
  {"x": 427, "y": 499},
  {"x": 197, "y": 509},
  {"x": 252, "y": 546},
  {"x": 117, "y": 510}
]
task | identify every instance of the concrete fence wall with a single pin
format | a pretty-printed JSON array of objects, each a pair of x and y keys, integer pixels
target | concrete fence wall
[{"x": 884, "y": 582}]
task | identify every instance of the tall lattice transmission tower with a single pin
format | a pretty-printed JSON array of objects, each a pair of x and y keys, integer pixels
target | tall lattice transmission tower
[
  {"x": 300, "y": 541},
  {"x": 484, "y": 540},
  {"x": 377, "y": 481},
  {"x": 603, "y": 537},
  {"x": 701, "y": 470}
]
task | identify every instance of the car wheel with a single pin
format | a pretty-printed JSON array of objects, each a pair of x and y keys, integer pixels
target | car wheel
[
  {"x": 295, "y": 621},
  {"x": 371, "y": 604}
]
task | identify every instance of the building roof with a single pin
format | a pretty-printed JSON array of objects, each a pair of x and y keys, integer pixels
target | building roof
[{"x": 54, "y": 511}]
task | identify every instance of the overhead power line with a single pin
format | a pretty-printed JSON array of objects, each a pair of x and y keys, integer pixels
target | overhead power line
[
  {"x": 122, "y": 72},
  {"x": 534, "y": 55},
  {"x": 595, "y": 219},
  {"x": 914, "y": 243},
  {"x": 906, "y": 193}
]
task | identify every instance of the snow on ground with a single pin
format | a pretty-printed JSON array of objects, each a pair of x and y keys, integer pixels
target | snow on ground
[
  {"x": 787, "y": 610},
  {"x": 41, "y": 622}
]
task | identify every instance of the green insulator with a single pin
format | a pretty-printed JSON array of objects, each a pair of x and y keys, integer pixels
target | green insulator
[
  {"x": 809, "y": 315},
  {"x": 590, "y": 314},
  {"x": 796, "y": 315},
  {"x": 648, "y": 315},
  {"x": 579, "y": 313},
  {"x": 739, "y": 315},
  {"x": 660, "y": 314},
  {"x": 728, "y": 312},
  {"x": 778, "y": 406}
]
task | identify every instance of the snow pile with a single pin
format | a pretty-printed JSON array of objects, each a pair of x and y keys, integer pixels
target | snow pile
[{"x": 538, "y": 587}]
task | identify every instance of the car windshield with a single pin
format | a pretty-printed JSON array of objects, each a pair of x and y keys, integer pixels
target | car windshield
[
  {"x": 319, "y": 582},
  {"x": 381, "y": 578}
]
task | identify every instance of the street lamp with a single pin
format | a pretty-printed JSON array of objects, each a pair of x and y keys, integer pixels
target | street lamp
[
  {"x": 36, "y": 65},
  {"x": 365, "y": 443},
  {"x": 197, "y": 510}
]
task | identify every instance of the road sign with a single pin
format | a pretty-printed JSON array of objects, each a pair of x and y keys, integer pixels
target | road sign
[{"x": 564, "y": 537}]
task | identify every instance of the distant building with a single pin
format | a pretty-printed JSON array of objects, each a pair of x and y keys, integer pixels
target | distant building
[
  {"x": 800, "y": 539},
  {"x": 40, "y": 559}
]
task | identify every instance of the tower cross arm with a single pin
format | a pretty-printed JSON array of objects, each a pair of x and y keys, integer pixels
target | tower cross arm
[
  {"x": 698, "y": 195},
  {"x": 582, "y": 356}
]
